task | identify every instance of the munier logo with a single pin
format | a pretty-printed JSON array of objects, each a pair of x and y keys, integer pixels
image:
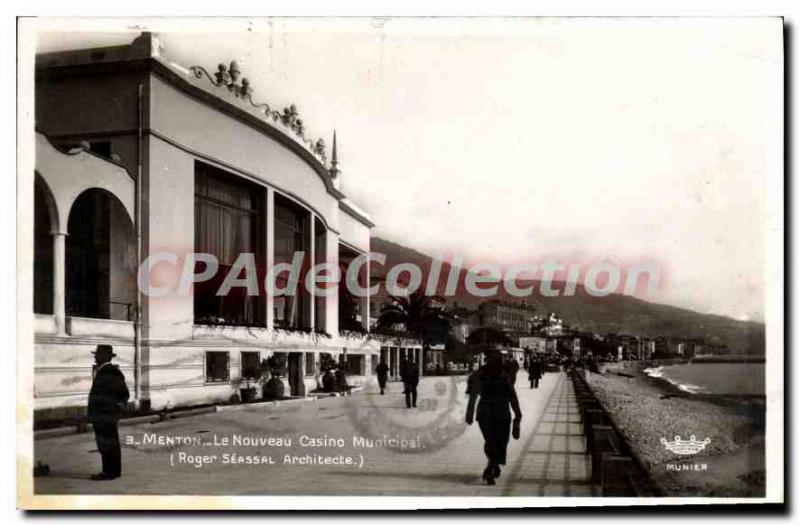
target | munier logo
[{"x": 686, "y": 447}]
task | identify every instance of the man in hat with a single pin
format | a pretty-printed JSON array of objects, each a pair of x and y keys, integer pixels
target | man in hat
[
  {"x": 535, "y": 372},
  {"x": 410, "y": 377},
  {"x": 107, "y": 398},
  {"x": 382, "y": 370}
]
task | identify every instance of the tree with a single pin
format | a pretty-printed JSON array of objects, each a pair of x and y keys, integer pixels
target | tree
[
  {"x": 457, "y": 351},
  {"x": 419, "y": 315}
]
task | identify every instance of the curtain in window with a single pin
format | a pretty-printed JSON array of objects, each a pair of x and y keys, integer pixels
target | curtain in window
[
  {"x": 228, "y": 220},
  {"x": 290, "y": 237},
  {"x": 222, "y": 231}
]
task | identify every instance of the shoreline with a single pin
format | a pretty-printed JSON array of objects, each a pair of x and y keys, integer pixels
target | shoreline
[
  {"x": 674, "y": 387},
  {"x": 647, "y": 409}
]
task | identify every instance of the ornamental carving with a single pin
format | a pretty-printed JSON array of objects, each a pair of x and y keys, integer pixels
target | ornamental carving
[
  {"x": 319, "y": 148},
  {"x": 230, "y": 77}
]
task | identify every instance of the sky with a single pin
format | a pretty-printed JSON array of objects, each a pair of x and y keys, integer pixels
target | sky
[{"x": 519, "y": 140}]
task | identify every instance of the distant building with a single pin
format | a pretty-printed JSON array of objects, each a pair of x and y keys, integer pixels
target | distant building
[
  {"x": 684, "y": 347},
  {"x": 515, "y": 320},
  {"x": 695, "y": 347},
  {"x": 677, "y": 348},
  {"x": 396, "y": 350},
  {"x": 624, "y": 346},
  {"x": 647, "y": 348},
  {"x": 536, "y": 344},
  {"x": 550, "y": 326},
  {"x": 460, "y": 330},
  {"x": 716, "y": 349},
  {"x": 462, "y": 321},
  {"x": 662, "y": 347}
]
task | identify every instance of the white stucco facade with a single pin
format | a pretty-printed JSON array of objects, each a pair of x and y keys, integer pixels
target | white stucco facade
[{"x": 179, "y": 119}]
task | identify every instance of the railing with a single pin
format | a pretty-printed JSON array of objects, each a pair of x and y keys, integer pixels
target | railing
[{"x": 614, "y": 468}]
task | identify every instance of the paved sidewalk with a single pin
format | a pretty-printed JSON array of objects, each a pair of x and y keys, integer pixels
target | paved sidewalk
[
  {"x": 549, "y": 458},
  {"x": 553, "y": 460}
]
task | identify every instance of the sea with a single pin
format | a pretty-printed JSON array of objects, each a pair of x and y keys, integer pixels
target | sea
[{"x": 714, "y": 378}]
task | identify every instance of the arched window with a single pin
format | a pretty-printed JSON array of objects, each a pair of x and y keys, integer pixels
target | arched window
[
  {"x": 100, "y": 258},
  {"x": 44, "y": 221}
]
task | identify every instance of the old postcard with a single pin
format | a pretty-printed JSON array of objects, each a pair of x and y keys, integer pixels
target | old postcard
[{"x": 400, "y": 263}]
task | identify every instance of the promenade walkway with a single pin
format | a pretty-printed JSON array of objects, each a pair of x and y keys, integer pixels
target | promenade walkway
[
  {"x": 553, "y": 459},
  {"x": 549, "y": 459}
]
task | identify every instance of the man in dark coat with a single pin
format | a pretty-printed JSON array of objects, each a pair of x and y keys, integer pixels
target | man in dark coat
[
  {"x": 497, "y": 399},
  {"x": 107, "y": 398},
  {"x": 535, "y": 372},
  {"x": 382, "y": 370},
  {"x": 410, "y": 382}
]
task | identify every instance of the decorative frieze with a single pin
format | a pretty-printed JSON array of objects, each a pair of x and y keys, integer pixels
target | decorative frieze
[{"x": 230, "y": 77}]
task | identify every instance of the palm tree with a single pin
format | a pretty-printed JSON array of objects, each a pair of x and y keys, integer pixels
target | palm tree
[{"x": 420, "y": 315}]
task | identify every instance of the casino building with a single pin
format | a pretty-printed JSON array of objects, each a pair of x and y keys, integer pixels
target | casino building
[{"x": 138, "y": 156}]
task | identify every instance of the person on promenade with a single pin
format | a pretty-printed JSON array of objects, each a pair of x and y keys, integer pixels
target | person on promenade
[
  {"x": 494, "y": 394},
  {"x": 410, "y": 378},
  {"x": 341, "y": 380},
  {"x": 512, "y": 368},
  {"x": 107, "y": 398},
  {"x": 535, "y": 372},
  {"x": 593, "y": 364},
  {"x": 567, "y": 364},
  {"x": 382, "y": 370}
]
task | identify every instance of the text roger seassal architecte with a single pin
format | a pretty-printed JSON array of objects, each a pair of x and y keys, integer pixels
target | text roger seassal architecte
[{"x": 305, "y": 441}]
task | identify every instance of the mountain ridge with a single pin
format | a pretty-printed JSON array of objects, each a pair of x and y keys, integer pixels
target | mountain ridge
[{"x": 615, "y": 313}]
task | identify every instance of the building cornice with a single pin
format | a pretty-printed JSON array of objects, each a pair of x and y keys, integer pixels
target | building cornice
[
  {"x": 237, "y": 108},
  {"x": 345, "y": 207}
]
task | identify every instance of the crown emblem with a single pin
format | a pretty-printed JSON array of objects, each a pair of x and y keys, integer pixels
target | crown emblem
[{"x": 685, "y": 447}]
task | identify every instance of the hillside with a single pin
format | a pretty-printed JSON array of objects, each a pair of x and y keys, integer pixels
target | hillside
[{"x": 614, "y": 313}]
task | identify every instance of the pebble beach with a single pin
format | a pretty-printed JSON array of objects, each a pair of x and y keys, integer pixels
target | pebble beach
[{"x": 647, "y": 409}]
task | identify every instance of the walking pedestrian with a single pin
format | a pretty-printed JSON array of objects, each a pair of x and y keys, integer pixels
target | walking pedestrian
[
  {"x": 341, "y": 380},
  {"x": 410, "y": 378},
  {"x": 107, "y": 398},
  {"x": 535, "y": 373},
  {"x": 494, "y": 394},
  {"x": 382, "y": 370}
]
